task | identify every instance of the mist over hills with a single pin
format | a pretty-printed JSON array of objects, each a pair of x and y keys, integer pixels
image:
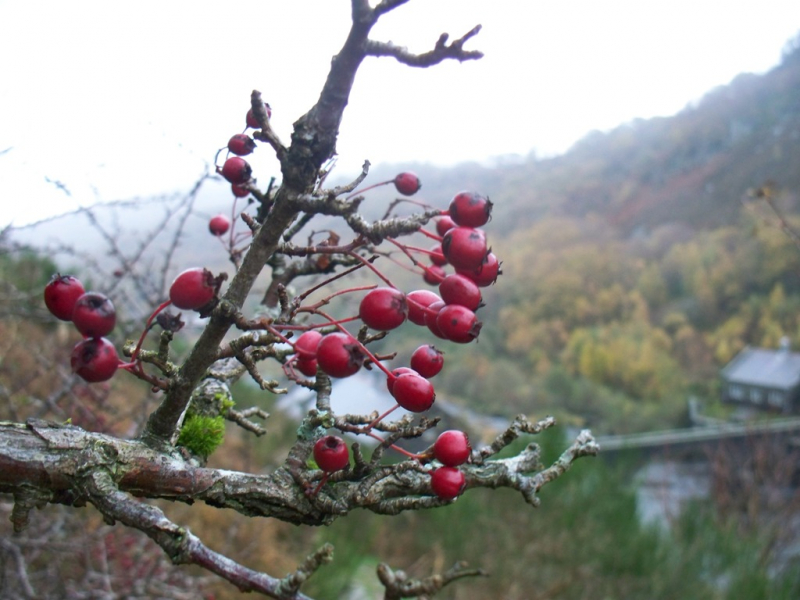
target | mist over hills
[{"x": 692, "y": 168}]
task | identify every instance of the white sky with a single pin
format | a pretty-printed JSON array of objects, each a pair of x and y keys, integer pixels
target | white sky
[{"x": 122, "y": 99}]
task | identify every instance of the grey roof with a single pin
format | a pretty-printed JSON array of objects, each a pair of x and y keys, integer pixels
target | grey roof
[{"x": 768, "y": 368}]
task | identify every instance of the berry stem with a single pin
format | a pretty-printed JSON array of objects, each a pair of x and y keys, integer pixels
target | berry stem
[
  {"x": 344, "y": 273},
  {"x": 138, "y": 348},
  {"x": 418, "y": 249},
  {"x": 381, "y": 417},
  {"x": 372, "y": 267},
  {"x": 370, "y": 187},
  {"x": 319, "y": 485},
  {"x": 433, "y": 236},
  {"x": 404, "y": 250},
  {"x": 327, "y": 299},
  {"x": 393, "y": 447}
]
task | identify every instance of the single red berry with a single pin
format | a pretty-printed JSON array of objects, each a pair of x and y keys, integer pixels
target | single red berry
[
  {"x": 452, "y": 448},
  {"x": 437, "y": 256},
  {"x": 431, "y": 316},
  {"x": 339, "y": 355},
  {"x": 306, "y": 344},
  {"x": 193, "y": 289},
  {"x": 433, "y": 275},
  {"x": 307, "y": 366},
  {"x": 407, "y": 183},
  {"x": 427, "y": 360},
  {"x": 458, "y": 323},
  {"x": 251, "y": 120},
  {"x": 331, "y": 453},
  {"x": 61, "y": 294},
  {"x": 444, "y": 224},
  {"x": 219, "y": 225},
  {"x": 413, "y": 392},
  {"x": 447, "y": 482},
  {"x": 465, "y": 247},
  {"x": 470, "y": 209},
  {"x": 460, "y": 289},
  {"x": 397, "y": 372},
  {"x": 241, "y": 144},
  {"x": 418, "y": 301},
  {"x": 94, "y": 360},
  {"x": 486, "y": 274},
  {"x": 239, "y": 190},
  {"x": 94, "y": 315},
  {"x": 236, "y": 170},
  {"x": 383, "y": 308}
]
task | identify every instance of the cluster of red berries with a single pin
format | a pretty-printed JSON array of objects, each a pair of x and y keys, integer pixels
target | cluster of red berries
[
  {"x": 94, "y": 359},
  {"x": 448, "y": 315},
  {"x": 452, "y": 449},
  {"x": 236, "y": 170}
]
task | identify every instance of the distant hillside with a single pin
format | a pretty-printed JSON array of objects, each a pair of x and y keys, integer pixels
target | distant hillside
[{"x": 692, "y": 168}]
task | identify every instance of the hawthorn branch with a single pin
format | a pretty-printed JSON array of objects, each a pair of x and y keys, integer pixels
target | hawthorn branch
[
  {"x": 183, "y": 547},
  {"x": 441, "y": 51},
  {"x": 43, "y": 462},
  {"x": 398, "y": 585}
]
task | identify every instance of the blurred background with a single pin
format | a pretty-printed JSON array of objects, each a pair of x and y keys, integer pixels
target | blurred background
[{"x": 643, "y": 161}]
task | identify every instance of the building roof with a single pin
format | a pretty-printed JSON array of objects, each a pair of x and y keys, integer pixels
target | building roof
[{"x": 766, "y": 368}]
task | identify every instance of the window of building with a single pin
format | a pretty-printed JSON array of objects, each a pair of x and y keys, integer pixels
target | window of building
[
  {"x": 776, "y": 398},
  {"x": 736, "y": 392},
  {"x": 756, "y": 396}
]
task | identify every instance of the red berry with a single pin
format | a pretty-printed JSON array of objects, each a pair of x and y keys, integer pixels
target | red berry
[
  {"x": 431, "y": 316},
  {"x": 307, "y": 366},
  {"x": 418, "y": 301},
  {"x": 452, "y": 448},
  {"x": 94, "y": 360},
  {"x": 486, "y": 274},
  {"x": 306, "y": 344},
  {"x": 240, "y": 191},
  {"x": 436, "y": 255},
  {"x": 407, "y": 183},
  {"x": 460, "y": 289},
  {"x": 61, "y": 294},
  {"x": 193, "y": 289},
  {"x": 464, "y": 247},
  {"x": 458, "y": 323},
  {"x": 251, "y": 120},
  {"x": 236, "y": 170},
  {"x": 241, "y": 144},
  {"x": 470, "y": 209},
  {"x": 397, "y": 372},
  {"x": 339, "y": 355},
  {"x": 413, "y": 392},
  {"x": 433, "y": 275},
  {"x": 447, "y": 482},
  {"x": 94, "y": 315},
  {"x": 383, "y": 308},
  {"x": 219, "y": 225},
  {"x": 427, "y": 360},
  {"x": 331, "y": 453},
  {"x": 444, "y": 224}
]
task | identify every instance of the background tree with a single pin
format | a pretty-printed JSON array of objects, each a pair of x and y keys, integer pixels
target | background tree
[{"x": 45, "y": 462}]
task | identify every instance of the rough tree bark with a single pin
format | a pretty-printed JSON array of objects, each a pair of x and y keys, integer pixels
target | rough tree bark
[{"x": 43, "y": 462}]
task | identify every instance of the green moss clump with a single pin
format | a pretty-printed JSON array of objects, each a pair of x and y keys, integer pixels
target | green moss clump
[{"x": 202, "y": 435}]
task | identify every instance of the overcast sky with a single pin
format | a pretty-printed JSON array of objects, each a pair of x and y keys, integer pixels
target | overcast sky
[{"x": 120, "y": 99}]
